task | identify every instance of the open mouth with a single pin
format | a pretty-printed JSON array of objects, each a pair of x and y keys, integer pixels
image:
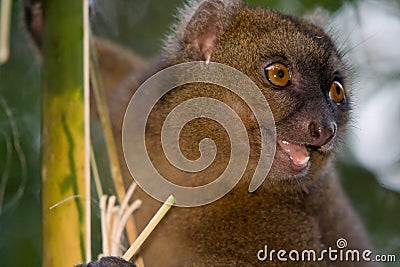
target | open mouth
[{"x": 298, "y": 154}]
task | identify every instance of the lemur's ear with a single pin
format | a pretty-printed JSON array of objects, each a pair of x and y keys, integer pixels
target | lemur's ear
[{"x": 199, "y": 24}]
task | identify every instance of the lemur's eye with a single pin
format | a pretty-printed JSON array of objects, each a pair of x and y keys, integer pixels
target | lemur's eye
[
  {"x": 336, "y": 92},
  {"x": 277, "y": 74}
]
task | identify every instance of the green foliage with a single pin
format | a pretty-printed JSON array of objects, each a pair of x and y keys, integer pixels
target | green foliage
[
  {"x": 296, "y": 6},
  {"x": 20, "y": 221}
]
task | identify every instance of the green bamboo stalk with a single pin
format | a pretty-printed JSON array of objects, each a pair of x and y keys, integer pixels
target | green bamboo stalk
[{"x": 64, "y": 162}]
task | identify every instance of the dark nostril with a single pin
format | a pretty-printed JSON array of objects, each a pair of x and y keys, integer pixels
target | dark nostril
[{"x": 320, "y": 135}]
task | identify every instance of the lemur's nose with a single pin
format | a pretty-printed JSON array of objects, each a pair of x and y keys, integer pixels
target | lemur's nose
[{"x": 321, "y": 133}]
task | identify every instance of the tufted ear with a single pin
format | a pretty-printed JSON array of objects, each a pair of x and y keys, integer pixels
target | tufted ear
[{"x": 200, "y": 23}]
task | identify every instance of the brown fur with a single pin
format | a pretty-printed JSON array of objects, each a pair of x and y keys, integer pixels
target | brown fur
[
  {"x": 306, "y": 210},
  {"x": 289, "y": 211}
]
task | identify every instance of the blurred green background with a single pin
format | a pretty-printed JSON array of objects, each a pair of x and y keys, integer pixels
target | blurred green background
[{"x": 139, "y": 25}]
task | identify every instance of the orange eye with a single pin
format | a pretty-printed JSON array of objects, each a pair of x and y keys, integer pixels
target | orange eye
[
  {"x": 278, "y": 74},
  {"x": 336, "y": 93}
]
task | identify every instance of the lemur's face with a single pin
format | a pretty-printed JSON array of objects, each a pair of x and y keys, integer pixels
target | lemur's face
[{"x": 301, "y": 75}]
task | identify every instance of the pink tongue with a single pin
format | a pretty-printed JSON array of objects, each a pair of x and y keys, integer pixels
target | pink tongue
[{"x": 298, "y": 154}]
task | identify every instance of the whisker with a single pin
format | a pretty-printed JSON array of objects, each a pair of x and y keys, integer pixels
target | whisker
[{"x": 362, "y": 42}]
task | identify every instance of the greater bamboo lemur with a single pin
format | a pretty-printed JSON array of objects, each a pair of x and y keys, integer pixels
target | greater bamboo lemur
[{"x": 301, "y": 204}]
